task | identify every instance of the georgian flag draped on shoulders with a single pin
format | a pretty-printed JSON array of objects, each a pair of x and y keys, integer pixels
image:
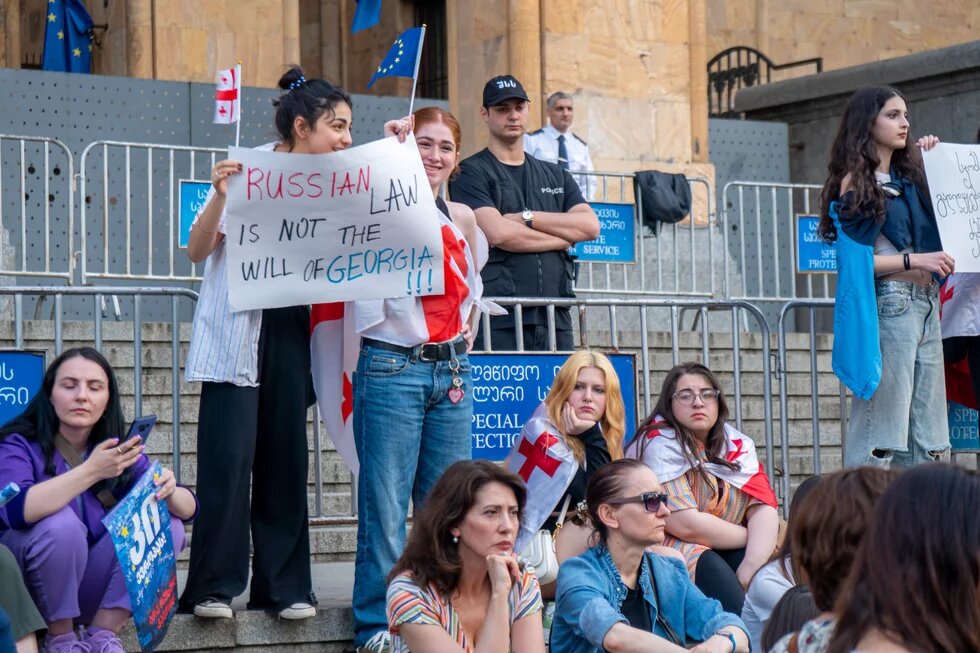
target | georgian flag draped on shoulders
[
  {"x": 661, "y": 451},
  {"x": 540, "y": 457},
  {"x": 406, "y": 321}
]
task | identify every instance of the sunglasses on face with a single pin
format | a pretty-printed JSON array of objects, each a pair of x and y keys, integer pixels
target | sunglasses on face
[
  {"x": 651, "y": 500},
  {"x": 686, "y": 397}
]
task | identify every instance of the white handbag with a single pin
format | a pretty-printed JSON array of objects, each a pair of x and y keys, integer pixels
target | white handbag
[{"x": 540, "y": 551}]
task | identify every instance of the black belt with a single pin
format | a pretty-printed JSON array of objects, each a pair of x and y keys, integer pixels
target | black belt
[{"x": 428, "y": 352}]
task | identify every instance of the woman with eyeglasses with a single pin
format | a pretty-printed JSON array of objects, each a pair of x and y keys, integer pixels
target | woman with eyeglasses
[
  {"x": 722, "y": 509},
  {"x": 888, "y": 350},
  {"x": 618, "y": 596}
]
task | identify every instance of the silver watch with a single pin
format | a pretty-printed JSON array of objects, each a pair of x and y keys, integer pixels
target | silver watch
[{"x": 528, "y": 217}]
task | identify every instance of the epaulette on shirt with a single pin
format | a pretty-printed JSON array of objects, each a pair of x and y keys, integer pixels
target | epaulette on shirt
[
  {"x": 577, "y": 137},
  {"x": 536, "y": 132}
]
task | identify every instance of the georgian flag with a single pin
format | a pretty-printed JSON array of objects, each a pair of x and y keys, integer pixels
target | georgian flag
[
  {"x": 333, "y": 348},
  {"x": 540, "y": 457},
  {"x": 227, "y": 108},
  {"x": 661, "y": 451},
  {"x": 959, "y": 315}
]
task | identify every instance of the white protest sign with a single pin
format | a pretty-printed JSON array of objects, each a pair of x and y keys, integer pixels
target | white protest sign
[
  {"x": 953, "y": 172},
  {"x": 312, "y": 228}
]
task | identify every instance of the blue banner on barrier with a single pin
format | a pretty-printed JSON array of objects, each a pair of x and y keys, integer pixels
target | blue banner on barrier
[
  {"x": 812, "y": 254},
  {"x": 508, "y": 387},
  {"x": 21, "y": 372},
  {"x": 140, "y": 529},
  {"x": 963, "y": 434},
  {"x": 192, "y": 195},
  {"x": 617, "y": 236}
]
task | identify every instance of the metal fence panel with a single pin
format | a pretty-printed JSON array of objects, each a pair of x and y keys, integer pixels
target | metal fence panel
[{"x": 37, "y": 208}]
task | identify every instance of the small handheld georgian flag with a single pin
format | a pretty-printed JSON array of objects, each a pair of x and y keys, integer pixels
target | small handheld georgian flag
[{"x": 227, "y": 106}]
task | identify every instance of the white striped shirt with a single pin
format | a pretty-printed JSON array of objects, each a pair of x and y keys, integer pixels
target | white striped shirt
[{"x": 224, "y": 345}]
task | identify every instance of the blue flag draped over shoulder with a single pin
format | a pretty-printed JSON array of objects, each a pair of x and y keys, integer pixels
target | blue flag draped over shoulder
[
  {"x": 402, "y": 56},
  {"x": 367, "y": 14},
  {"x": 67, "y": 37}
]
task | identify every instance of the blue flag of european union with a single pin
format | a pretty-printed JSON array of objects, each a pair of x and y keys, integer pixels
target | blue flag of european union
[
  {"x": 402, "y": 56},
  {"x": 67, "y": 37},
  {"x": 367, "y": 14}
]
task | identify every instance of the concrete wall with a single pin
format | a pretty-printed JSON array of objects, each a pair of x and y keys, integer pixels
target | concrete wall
[
  {"x": 942, "y": 88},
  {"x": 843, "y": 32}
]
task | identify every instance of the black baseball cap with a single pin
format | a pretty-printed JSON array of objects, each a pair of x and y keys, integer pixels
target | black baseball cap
[{"x": 501, "y": 88}]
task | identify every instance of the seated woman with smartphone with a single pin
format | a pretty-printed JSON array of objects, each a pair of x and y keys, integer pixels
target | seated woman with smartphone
[{"x": 65, "y": 454}]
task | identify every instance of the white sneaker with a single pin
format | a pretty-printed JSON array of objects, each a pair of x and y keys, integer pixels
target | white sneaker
[
  {"x": 298, "y": 611},
  {"x": 380, "y": 643},
  {"x": 213, "y": 609}
]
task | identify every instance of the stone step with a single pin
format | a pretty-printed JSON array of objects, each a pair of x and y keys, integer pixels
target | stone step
[
  {"x": 332, "y": 539},
  {"x": 254, "y": 631}
]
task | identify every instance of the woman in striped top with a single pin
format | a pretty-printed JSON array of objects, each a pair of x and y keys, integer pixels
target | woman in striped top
[
  {"x": 458, "y": 586},
  {"x": 723, "y": 510}
]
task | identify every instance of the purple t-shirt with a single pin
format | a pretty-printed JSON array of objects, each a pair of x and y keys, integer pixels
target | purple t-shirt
[{"x": 22, "y": 462}]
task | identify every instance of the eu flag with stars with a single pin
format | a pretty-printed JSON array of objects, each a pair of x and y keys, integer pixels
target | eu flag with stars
[
  {"x": 402, "y": 56},
  {"x": 67, "y": 37}
]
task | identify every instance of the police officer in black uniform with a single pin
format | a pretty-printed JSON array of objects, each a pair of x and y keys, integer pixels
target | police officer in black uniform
[{"x": 531, "y": 212}]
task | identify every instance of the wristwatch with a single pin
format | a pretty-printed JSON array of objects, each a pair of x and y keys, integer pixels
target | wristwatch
[
  {"x": 730, "y": 636},
  {"x": 528, "y": 217}
]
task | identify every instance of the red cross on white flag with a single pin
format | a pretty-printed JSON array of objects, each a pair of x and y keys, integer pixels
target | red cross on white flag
[{"x": 227, "y": 107}]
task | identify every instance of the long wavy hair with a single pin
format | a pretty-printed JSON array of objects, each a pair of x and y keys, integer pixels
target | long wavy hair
[
  {"x": 854, "y": 152},
  {"x": 430, "y": 554},
  {"x": 916, "y": 578},
  {"x": 428, "y": 115},
  {"x": 39, "y": 422},
  {"x": 714, "y": 446},
  {"x": 613, "y": 420}
]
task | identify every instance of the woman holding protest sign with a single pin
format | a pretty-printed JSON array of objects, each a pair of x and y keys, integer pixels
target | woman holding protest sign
[
  {"x": 65, "y": 454},
  {"x": 255, "y": 372},
  {"x": 890, "y": 260},
  {"x": 412, "y": 394}
]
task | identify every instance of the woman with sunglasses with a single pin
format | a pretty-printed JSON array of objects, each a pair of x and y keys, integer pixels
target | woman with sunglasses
[
  {"x": 722, "y": 509},
  {"x": 618, "y": 596},
  {"x": 888, "y": 350}
]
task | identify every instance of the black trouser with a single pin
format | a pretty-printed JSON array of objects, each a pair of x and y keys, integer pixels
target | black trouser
[
  {"x": 715, "y": 576},
  {"x": 957, "y": 348},
  {"x": 504, "y": 338},
  {"x": 258, "y": 432}
]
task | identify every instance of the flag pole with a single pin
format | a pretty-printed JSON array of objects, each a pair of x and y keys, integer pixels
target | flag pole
[
  {"x": 238, "y": 107},
  {"x": 415, "y": 77}
]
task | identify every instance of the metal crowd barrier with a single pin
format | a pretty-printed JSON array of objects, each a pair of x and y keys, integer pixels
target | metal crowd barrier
[
  {"x": 626, "y": 324},
  {"x": 129, "y": 183},
  {"x": 37, "y": 177},
  {"x": 760, "y": 230},
  {"x": 666, "y": 264}
]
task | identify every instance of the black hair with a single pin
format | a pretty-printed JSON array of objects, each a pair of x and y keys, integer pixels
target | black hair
[
  {"x": 608, "y": 482},
  {"x": 40, "y": 423},
  {"x": 305, "y": 98},
  {"x": 854, "y": 153},
  {"x": 795, "y": 608}
]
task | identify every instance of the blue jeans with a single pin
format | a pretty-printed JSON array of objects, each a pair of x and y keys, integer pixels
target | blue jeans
[
  {"x": 904, "y": 422},
  {"x": 407, "y": 432}
]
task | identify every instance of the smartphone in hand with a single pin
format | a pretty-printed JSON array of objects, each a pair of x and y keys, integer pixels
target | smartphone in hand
[{"x": 141, "y": 426}]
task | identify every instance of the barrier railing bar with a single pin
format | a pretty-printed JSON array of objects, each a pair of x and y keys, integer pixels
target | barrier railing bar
[
  {"x": 23, "y": 205},
  {"x": 149, "y": 210},
  {"x": 138, "y": 356},
  {"x": 737, "y": 368},
  {"x": 175, "y": 381},
  {"x": 814, "y": 391}
]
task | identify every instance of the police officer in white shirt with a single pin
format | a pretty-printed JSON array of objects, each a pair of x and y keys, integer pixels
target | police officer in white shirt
[{"x": 556, "y": 143}]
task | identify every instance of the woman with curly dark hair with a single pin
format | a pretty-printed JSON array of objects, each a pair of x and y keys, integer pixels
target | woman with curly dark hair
[
  {"x": 887, "y": 344},
  {"x": 915, "y": 584}
]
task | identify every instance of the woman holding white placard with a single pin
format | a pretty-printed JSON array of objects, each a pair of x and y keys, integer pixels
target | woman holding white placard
[{"x": 887, "y": 346}]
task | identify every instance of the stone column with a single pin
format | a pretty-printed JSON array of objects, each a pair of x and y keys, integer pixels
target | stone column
[
  {"x": 524, "y": 53},
  {"x": 139, "y": 34},
  {"x": 697, "y": 19},
  {"x": 290, "y": 32},
  {"x": 10, "y": 34}
]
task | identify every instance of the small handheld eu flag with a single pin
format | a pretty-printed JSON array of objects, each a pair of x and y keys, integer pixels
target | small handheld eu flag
[{"x": 403, "y": 57}]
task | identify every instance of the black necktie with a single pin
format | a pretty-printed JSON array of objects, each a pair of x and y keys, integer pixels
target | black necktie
[{"x": 562, "y": 152}]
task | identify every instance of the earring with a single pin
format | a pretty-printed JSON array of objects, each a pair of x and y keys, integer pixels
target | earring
[{"x": 455, "y": 539}]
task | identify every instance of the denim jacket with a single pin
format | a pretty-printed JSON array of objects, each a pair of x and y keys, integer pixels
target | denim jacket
[{"x": 590, "y": 595}]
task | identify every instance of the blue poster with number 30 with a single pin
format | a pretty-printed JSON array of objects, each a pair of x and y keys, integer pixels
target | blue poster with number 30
[{"x": 140, "y": 530}]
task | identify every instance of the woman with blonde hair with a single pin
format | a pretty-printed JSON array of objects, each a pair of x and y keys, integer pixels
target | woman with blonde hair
[{"x": 577, "y": 428}]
